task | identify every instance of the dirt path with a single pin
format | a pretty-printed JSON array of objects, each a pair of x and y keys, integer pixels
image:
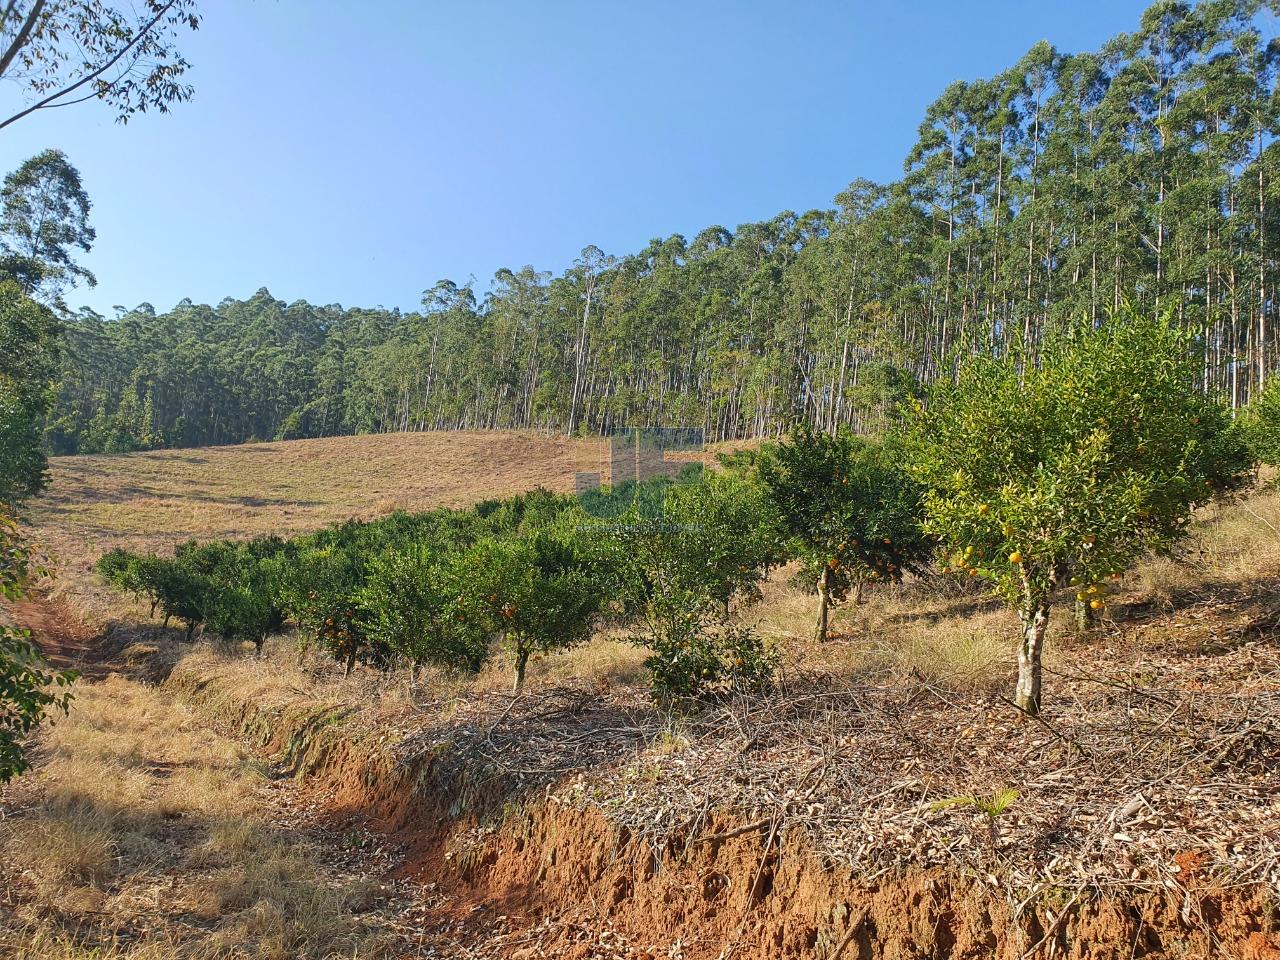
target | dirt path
[
  {"x": 63, "y": 640},
  {"x": 141, "y": 832}
]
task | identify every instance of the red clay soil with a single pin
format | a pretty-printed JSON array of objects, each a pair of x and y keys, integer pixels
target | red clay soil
[
  {"x": 753, "y": 899},
  {"x": 557, "y": 870},
  {"x": 560, "y": 874}
]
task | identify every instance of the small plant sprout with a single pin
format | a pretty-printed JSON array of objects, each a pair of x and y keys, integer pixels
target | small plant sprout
[{"x": 991, "y": 806}]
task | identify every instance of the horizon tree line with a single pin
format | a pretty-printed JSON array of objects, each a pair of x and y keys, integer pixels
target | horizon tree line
[{"x": 1143, "y": 173}]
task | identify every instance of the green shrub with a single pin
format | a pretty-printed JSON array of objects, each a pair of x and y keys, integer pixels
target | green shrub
[
  {"x": 412, "y": 605},
  {"x": 538, "y": 592},
  {"x": 29, "y": 691},
  {"x": 697, "y": 653},
  {"x": 714, "y": 540},
  {"x": 1260, "y": 424},
  {"x": 321, "y": 595}
]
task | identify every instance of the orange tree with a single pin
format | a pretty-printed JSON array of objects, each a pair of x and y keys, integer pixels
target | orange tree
[
  {"x": 181, "y": 586},
  {"x": 320, "y": 595},
  {"x": 676, "y": 575},
  {"x": 246, "y": 600},
  {"x": 848, "y": 510},
  {"x": 1067, "y": 470},
  {"x": 536, "y": 591},
  {"x": 414, "y": 604}
]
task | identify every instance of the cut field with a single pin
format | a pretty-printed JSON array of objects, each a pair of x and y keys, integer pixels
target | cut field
[{"x": 294, "y": 486}]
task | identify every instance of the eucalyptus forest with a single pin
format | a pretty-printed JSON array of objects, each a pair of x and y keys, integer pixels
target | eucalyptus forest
[{"x": 1143, "y": 173}]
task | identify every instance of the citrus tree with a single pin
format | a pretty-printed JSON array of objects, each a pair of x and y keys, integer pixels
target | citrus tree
[
  {"x": 537, "y": 591},
  {"x": 320, "y": 594},
  {"x": 1261, "y": 423},
  {"x": 848, "y": 510},
  {"x": 697, "y": 651},
  {"x": 677, "y": 574},
  {"x": 1064, "y": 471},
  {"x": 412, "y": 605},
  {"x": 245, "y": 599},
  {"x": 712, "y": 540}
]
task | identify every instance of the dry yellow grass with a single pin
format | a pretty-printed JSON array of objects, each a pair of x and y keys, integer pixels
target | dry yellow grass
[{"x": 138, "y": 818}]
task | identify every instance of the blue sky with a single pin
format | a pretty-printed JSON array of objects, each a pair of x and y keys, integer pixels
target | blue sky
[{"x": 344, "y": 152}]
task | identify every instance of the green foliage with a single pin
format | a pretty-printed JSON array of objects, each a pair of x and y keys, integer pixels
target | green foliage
[
  {"x": 413, "y": 605},
  {"x": 322, "y": 597},
  {"x": 538, "y": 590},
  {"x": 123, "y": 56},
  {"x": 1261, "y": 424},
  {"x": 645, "y": 498},
  {"x": 1071, "y": 469},
  {"x": 678, "y": 575},
  {"x": 990, "y": 806},
  {"x": 714, "y": 540},
  {"x": 698, "y": 654},
  {"x": 28, "y": 361},
  {"x": 1078, "y": 465},
  {"x": 29, "y": 691},
  {"x": 846, "y": 505},
  {"x": 849, "y": 511},
  {"x": 44, "y": 212},
  {"x": 245, "y": 599}
]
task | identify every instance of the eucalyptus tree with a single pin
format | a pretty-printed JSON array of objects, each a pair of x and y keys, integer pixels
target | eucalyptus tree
[
  {"x": 44, "y": 217},
  {"x": 1064, "y": 185},
  {"x": 28, "y": 362},
  {"x": 62, "y": 52}
]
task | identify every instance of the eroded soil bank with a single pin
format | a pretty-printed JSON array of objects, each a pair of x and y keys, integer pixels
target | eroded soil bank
[{"x": 570, "y": 883}]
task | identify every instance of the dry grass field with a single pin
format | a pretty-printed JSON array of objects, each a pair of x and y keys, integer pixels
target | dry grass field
[
  {"x": 144, "y": 835},
  {"x": 152, "y": 499}
]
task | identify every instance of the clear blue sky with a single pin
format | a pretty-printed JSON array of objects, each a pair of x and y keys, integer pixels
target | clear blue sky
[{"x": 355, "y": 153}]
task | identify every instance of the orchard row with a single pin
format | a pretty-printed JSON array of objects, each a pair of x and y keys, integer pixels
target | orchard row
[{"x": 1040, "y": 479}]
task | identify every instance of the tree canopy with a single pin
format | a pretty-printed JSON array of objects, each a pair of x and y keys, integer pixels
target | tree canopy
[{"x": 62, "y": 52}]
